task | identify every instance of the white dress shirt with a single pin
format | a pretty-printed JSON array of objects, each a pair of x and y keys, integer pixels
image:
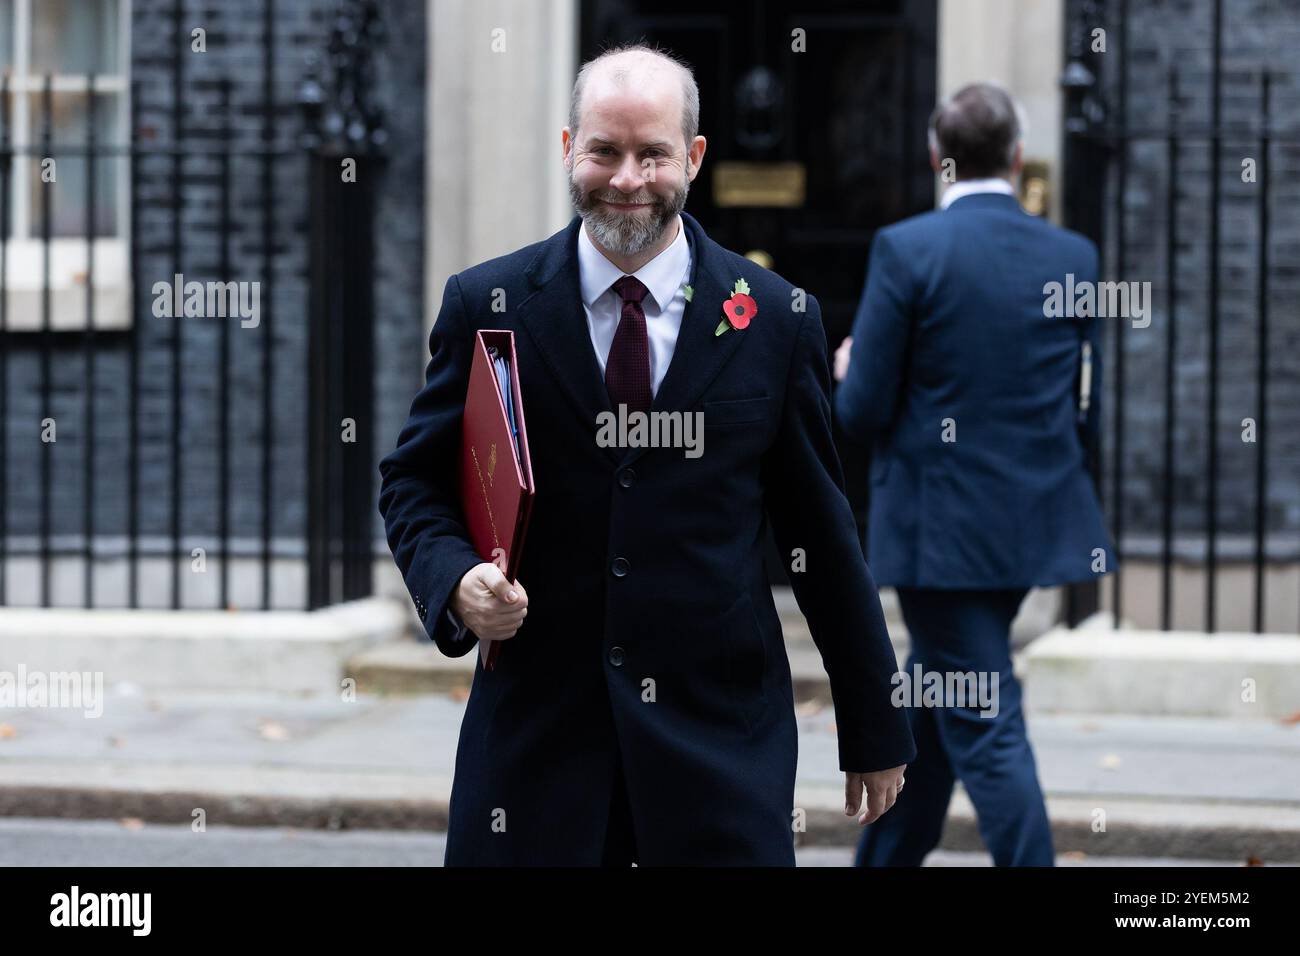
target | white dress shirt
[
  {"x": 968, "y": 187},
  {"x": 665, "y": 276}
]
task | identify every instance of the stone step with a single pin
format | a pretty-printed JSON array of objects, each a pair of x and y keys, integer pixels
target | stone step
[
  {"x": 411, "y": 667},
  {"x": 286, "y": 796},
  {"x": 415, "y": 667},
  {"x": 1096, "y": 669}
]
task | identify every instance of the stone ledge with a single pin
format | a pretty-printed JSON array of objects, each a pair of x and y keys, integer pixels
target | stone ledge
[
  {"x": 1094, "y": 669},
  {"x": 280, "y": 651}
]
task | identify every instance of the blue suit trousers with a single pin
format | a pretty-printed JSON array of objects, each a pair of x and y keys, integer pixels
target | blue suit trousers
[{"x": 965, "y": 631}]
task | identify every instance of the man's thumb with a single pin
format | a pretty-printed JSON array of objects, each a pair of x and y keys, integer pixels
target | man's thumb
[{"x": 498, "y": 584}]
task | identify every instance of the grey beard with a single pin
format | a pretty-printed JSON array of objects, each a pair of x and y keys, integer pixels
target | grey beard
[{"x": 627, "y": 235}]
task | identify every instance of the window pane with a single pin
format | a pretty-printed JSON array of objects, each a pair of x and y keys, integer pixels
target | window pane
[
  {"x": 68, "y": 117},
  {"x": 6, "y": 34},
  {"x": 67, "y": 193},
  {"x": 75, "y": 36}
]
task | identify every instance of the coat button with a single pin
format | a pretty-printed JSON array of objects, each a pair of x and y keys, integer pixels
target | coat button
[
  {"x": 626, "y": 477},
  {"x": 620, "y": 567},
  {"x": 616, "y": 656}
]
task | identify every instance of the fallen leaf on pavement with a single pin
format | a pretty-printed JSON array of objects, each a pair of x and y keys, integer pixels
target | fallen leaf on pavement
[{"x": 273, "y": 730}]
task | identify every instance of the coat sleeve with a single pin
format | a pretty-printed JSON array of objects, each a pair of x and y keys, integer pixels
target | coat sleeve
[
  {"x": 867, "y": 398},
  {"x": 805, "y": 502},
  {"x": 419, "y": 494}
]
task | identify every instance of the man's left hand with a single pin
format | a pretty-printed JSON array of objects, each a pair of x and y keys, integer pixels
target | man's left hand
[{"x": 882, "y": 788}]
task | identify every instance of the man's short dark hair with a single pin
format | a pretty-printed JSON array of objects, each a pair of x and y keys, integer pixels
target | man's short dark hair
[{"x": 977, "y": 128}]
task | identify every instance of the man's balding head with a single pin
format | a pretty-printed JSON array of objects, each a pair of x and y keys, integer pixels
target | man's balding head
[{"x": 638, "y": 67}]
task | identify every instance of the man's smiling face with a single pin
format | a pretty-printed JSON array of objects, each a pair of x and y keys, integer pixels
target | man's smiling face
[{"x": 629, "y": 166}]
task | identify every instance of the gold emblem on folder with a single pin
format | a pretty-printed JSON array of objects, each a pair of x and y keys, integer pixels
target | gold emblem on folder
[{"x": 492, "y": 460}]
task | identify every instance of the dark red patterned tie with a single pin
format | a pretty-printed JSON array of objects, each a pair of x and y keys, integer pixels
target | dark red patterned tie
[{"x": 627, "y": 370}]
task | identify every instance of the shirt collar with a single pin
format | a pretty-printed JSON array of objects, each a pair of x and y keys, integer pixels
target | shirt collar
[
  {"x": 662, "y": 276},
  {"x": 968, "y": 187}
]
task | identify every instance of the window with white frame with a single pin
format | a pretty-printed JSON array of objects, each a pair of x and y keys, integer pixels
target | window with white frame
[{"x": 66, "y": 43}]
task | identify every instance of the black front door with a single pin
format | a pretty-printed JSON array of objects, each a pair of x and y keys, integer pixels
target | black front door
[{"x": 815, "y": 112}]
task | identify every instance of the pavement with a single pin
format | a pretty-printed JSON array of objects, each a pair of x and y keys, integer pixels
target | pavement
[
  {"x": 82, "y": 843},
  {"x": 1170, "y": 788}
]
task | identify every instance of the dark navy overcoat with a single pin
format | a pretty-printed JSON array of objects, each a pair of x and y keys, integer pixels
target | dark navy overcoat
[{"x": 652, "y": 643}]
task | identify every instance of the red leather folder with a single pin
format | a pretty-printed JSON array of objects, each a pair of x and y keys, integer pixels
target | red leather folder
[{"x": 496, "y": 478}]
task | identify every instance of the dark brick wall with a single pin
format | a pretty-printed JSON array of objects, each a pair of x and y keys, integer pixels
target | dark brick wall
[
  {"x": 234, "y": 51},
  {"x": 1258, "y": 34}
]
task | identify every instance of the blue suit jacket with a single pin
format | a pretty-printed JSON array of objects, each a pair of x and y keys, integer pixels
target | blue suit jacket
[
  {"x": 951, "y": 342},
  {"x": 670, "y": 660}
]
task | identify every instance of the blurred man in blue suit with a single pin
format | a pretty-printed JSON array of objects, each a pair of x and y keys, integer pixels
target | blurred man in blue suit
[{"x": 978, "y": 407}]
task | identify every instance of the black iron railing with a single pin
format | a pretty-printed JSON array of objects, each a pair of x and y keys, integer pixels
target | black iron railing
[
  {"x": 1102, "y": 133},
  {"x": 229, "y": 229}
]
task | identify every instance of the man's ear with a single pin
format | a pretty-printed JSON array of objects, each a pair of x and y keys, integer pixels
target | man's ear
[
  {"x": 566, "y": 144},
  {"x": 695, "y": 156},
  {"x": 934, "y": 158},
  {"x": 1018, "y": 159}
]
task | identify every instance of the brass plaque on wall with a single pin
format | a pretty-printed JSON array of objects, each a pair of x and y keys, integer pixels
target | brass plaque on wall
[
  {"x": 758, "y": 184},
  {"x": 1035, "y": 187}
]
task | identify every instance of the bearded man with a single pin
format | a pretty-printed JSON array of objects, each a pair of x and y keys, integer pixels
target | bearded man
[{"x": 641, "y": 710}]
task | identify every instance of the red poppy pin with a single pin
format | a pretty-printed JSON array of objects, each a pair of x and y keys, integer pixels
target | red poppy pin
[{"x": 738, "y": 310}]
